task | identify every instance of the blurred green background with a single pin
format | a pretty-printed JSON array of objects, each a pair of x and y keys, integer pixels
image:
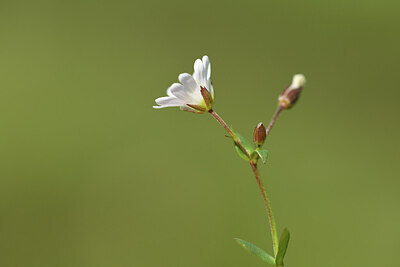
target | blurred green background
[{"x": 91, "y": 175}]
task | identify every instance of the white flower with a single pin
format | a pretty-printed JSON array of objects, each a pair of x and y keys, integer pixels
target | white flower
[{"x": 194, "y": 93}]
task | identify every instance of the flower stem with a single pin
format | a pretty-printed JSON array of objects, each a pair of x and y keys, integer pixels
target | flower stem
[
  {"x": 267, "y": 203},
  {"x": 237, "y": 141},
  {"x": 272, "y": 122}
]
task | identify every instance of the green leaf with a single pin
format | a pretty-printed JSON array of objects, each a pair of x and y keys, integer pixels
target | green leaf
[
  {"x": 241, "y": 153},
  {"x": 256, "y": 251},
  {"x": 246, "y": 144},
  {"x": 263, "y": 154},
  {"x": 283, "y": 244}
]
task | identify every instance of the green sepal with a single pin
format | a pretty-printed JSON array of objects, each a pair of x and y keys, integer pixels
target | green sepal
[
  {"x": 256, "y": 251},
  {"x": 246, "y": 144},
  {"x": 283, "y": 244},
  {"x": 263, "y": 154}
]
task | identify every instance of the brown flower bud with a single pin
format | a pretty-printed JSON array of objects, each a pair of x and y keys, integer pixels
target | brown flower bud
[
  {"x": 259, "y": 134},
  {"x": 290, "y": 95}
]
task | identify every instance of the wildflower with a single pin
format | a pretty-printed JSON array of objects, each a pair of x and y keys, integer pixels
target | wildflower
[
  {"x": 194, "y": 93},
  {"x": 290, "y": 95}
]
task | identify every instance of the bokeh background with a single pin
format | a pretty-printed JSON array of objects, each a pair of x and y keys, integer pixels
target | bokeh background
[{"x": 91, "y": 175}]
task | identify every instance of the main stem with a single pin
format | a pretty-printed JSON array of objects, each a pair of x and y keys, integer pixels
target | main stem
[
  {"x": 271, "y": 218},
  {"x": 253, "y": 164}
]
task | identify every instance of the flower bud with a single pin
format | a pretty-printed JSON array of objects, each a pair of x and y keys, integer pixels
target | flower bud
[
  {"x": 259, "y": 134},
  {"x": 290, "y": 95}
]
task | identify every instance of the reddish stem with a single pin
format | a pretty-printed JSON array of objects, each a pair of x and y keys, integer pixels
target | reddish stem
[
  {"x": 267, "y": 203},
  {"x": 278, "y": 111},
  {"x": 237, "y": 141}
]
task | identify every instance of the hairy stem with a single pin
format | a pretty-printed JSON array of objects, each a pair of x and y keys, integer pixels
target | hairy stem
[
  {"x": 237, "y": 141},
  {"x": 267, "y": 203}
]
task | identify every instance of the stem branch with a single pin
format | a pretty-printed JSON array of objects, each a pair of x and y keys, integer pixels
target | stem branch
[
  {"x": 272, "y": 122},
  {"x": 237, "y": 141}
]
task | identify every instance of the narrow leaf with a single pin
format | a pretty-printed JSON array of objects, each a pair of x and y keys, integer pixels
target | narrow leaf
[
  {"x": 283, "y": 244},
  {"x": 246, "y": 144},
  {"x": 241, "y": 153},
  {"x": 256, "y": 251},
  {"x": 263, "y": 154}
]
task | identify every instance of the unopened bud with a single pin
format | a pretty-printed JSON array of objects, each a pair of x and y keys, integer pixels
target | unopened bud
[
  {"x": 290, "y": 95},
  {"x": 259, "y": 134}
]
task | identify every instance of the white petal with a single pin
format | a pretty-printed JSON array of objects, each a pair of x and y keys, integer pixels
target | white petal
[
  {"x": 167, "y": 101},
  {"x": 174, "y": 87},
  {"x": 188, "y": 81},
  {"x": 180, "y": 91},
  {"x": 207, "y": 67},
  {"x": 192, "y": 89},
  {"x": 158, "y": 107},
  {"x": 199, "y": 73}
]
